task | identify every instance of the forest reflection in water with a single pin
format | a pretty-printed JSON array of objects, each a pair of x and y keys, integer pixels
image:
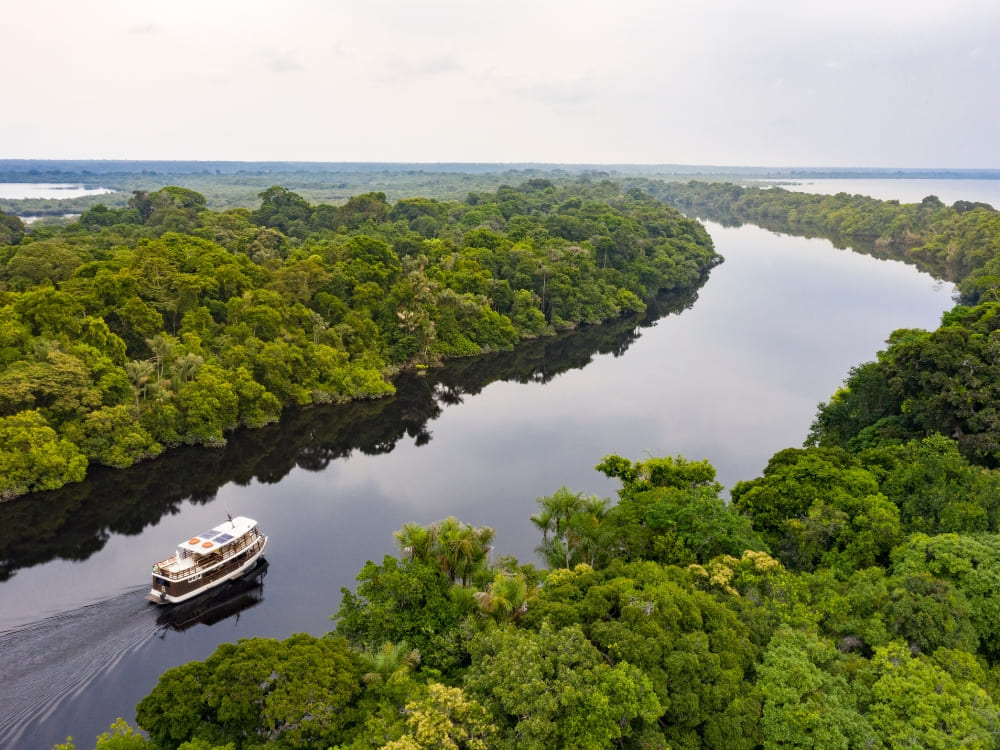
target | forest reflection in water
[{"x": 76, "y": 521}]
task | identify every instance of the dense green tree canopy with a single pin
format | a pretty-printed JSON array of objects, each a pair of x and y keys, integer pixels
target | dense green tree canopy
[{"x": 193, "y": 323}]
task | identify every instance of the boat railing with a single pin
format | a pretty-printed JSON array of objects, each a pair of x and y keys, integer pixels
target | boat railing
[{"x": 206, "y": 562}]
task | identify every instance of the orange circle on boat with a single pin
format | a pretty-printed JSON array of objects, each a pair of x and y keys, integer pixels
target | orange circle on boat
[
  {"x": 193, "y": 541},
  {"x": 206, "y": 545}
]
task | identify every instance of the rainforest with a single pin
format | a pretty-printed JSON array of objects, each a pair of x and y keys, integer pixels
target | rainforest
[
  {"x": 847, "y": 597},
  {"x": 163, "y": 323}
]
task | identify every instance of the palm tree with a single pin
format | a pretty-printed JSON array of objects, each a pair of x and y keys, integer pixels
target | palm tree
[
  {"x": 587, "y": 527},
  {"x": 575, "y": 524},
  {"x": 457, "y": 549},
  {"x": 416, "y": 541},
  {"x": 543, "y": 520},
  {"x": 506, "y": 598},
  {"x": 139, "y": 372},
  {"x": 187, "y": 366},
  {"x": 161, "y": 345},
  {"x": 389, "y": 663}
]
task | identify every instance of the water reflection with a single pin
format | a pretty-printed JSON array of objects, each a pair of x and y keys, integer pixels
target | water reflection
[
  {"x": 75, "y": 522},
  {"x": 228, "y": 600}
]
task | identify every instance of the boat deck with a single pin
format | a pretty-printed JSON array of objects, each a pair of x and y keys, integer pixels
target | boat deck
[{"x": 207, "y": 551}]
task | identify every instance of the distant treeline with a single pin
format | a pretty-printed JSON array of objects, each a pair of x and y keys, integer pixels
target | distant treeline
[
  {"x": 959, "y": 243},
  {"x": 21, "y": 170},
  {"x": 162, "y": 323}
]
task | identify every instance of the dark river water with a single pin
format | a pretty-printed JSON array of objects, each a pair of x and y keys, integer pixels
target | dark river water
[{"x": 731, "y": 375}]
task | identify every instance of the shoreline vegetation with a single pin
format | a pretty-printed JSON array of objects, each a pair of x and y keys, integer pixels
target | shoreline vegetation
[
  {"x": 164, "y": 323},
  {"x": 845, "y": 598}
]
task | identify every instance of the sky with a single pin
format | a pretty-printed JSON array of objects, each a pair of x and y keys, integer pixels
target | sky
[{"x": 850, "y": 83}]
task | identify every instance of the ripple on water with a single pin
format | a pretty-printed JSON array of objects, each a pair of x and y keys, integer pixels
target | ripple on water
[{"x": 47, "y": 662}]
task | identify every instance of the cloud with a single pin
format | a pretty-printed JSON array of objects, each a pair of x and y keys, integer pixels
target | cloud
[
  {"x": 565, "y": 98},
  {"x": 281, "y": 62},
  {"x": 399, "y": 67},
  {"x": 145, "y": 28}
]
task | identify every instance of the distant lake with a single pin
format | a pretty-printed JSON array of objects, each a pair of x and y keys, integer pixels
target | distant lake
[
  {"x": 731, "y": 374},
  {"x": 48, "y": 190},
  {"x": 903, "y": 190}
]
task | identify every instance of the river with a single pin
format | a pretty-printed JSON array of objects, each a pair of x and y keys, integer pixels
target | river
[
  {"x": 48, "y": 190},
  {"x": 731, "y": 376}
]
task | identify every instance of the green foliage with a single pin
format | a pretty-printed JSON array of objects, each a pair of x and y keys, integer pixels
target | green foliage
[
  {"x": 817, "y": 503},
  {"x": 953, "y": 243},
  {"x": 871, "y": 608},
  {"x": 553, "y": 689},
  {"x": 677, "y": 473},
  {"x": 936, "y": 488},
  {"x": 34, "y": 457},
  {"x": 764, "y": 594},
  {"x": 244, "y": 313},
  {"x": 693, "y": 649},
  {"x": 941, "y": 382},
  {"x": 972, "y": 565},
  {"x": 193, "y": 334},
  {"x": 11, "y": 229},
  {"x": 808, "y": 700},
  {"x": 292, "y": 693},
  {"x": 457, "y": 549},
  {"x": 571, "y": 526},
  {"x": 403, "y": 601},
  {"x": 937, "y": 702},
  {"x": 671, "y": 512},
  {"x": 445, "y": 719},
  {"x": 111, "y": 436}
]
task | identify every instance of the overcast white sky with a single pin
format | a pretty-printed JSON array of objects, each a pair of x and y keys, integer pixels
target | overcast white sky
[{"x": 871, "y": 83}]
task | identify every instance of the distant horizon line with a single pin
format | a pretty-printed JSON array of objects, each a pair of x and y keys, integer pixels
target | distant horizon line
[{"x": 232, "y": 166}]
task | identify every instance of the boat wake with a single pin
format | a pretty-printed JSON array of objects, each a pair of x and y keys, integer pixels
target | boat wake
[{"x": 52, "y": 661}]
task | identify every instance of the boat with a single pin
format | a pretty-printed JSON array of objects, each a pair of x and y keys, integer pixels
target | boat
[{"x": 208, "y": 560}]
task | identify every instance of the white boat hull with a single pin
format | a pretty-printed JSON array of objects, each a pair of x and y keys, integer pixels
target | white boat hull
[{"x": 161, "y": 597}]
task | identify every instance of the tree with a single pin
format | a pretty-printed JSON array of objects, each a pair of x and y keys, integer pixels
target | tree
[
  {"x": 678, "y": 473},
  {"x": 390, "y": 662},
  {"x": 120, "y": 737},
  {"x": 283, "y": 210},
  {"x": 11, "y": 229},
  {"x": 793, "y": 480},
  {"x": 936, "y": 488},
  {"x": 298, "y": 692},
  {"x": 33, "y": 457},
  {"x": 693, "y": 649},
  {"x": 917, "y": 703},
  {"x": 457, "y": 549},
  {"x": 139, "y": 372},
  {"x": 50, "y": 261},
  {"x": 112, "y": 436},
  {"x": 445, "y": 719},
  {"x": 209, "y": 406},
  {"x": 405, "y": 600},
  {"x": 676, "y": 526},
  {"x": 553, "y": 689},
  {"x": 571, "y": 527},
  {"x": 506, "y": 597},
  {"x": 808, "y": 701},
  {"x": 971, "y": 564}
]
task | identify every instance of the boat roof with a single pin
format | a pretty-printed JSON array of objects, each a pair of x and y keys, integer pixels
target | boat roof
[{"x": 219, "y": 536}]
